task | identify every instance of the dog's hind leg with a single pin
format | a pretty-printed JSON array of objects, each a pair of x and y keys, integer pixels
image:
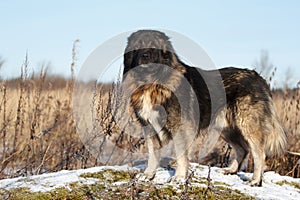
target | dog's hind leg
[
  {"x": 240, "y": 149},
  {"x": 259, "y": 157},
  {"x": 239, "y": 160}
]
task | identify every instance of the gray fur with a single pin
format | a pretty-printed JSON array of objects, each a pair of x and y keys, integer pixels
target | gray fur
[{"x": 245, "y": 116}]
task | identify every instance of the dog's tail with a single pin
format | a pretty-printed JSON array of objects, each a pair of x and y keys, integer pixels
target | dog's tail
[{"x": 276, "y": 139}]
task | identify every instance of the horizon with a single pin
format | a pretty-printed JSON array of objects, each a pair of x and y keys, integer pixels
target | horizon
[{"x": 233, "y": 33}]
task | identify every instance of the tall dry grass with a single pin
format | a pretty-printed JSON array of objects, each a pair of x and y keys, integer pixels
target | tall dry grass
[
  {"x": 287, "y": 103},
  {"x": 38, "y": 131},
  {"x": 37, "y": 128}
]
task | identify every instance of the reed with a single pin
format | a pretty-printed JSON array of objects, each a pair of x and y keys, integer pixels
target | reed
[{"x": 38, "y": 130}]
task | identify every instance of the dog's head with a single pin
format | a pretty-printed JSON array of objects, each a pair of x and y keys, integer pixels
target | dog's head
[{"x": 149, "y": 49}]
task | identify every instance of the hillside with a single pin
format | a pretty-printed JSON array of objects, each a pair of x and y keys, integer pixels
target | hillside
[{"x": 118, "y": 182}]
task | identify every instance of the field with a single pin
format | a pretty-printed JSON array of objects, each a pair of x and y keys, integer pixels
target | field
[
  {"x": 38, "y": 131},
  {"x": 118, "y": 182}
]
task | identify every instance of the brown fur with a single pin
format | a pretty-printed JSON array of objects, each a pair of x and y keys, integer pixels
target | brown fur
[{"x": 238, "y": 106}]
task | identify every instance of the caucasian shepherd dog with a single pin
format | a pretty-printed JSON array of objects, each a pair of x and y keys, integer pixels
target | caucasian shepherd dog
[{"x": 174, "y": 101}]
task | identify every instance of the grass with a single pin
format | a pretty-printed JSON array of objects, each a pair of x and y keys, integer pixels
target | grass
[
  {"x": 37, "y": 128},
  {"x": 98, "y": 191},
  {"x": 105, "y": 188},
  {"x": 294, "y": 184},
  {"x": 38, "y": 133},
  {"x": 109, "y": 175}
]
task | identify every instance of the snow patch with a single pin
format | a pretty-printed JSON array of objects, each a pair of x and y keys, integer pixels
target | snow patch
[{"x": 269, "y": 190}]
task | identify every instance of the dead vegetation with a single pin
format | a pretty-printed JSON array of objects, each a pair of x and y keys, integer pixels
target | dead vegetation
[{"x": 38, "y": 131}]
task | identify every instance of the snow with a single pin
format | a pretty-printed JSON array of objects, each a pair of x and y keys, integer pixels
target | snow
[
  {"x": 269, "y": 190},
  {"x": 47, "y": 182}
]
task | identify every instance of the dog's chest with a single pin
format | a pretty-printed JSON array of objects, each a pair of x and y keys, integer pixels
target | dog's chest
[
  {"x": 147, "y": 99},
  {"x": 144, "y": 106}
]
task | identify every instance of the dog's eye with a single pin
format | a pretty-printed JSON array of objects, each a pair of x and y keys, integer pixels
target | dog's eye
[{"x": 165, "y": 56}]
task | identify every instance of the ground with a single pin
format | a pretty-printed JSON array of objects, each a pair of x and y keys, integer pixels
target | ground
[{"x": 118, "y": 182}]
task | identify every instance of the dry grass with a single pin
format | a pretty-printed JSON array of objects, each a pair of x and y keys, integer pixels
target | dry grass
[
  {"x": 38, "y": 131},
  {"x": 288, "y": 108}
]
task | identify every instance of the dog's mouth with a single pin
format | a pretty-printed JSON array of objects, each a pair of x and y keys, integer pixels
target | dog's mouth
[{"x": 150, "y": 69}]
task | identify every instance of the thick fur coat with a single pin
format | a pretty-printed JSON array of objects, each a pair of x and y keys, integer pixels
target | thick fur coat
[{"x": 174, "y": 101}]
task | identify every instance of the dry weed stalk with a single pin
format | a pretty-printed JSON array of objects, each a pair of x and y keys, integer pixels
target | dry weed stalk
[{"x": 38, "y": 131}]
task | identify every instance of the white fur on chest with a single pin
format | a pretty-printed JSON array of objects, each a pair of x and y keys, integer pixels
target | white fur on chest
[
  {"x": 147, "y": 107},
  {"x": 151, "y": 115}
]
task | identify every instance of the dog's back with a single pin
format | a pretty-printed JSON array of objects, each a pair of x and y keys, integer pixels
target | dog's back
[
  {"x": 248, "y": 96},
  {"x": 236, "y": 102},
  {"x": 252, "y": 123}
]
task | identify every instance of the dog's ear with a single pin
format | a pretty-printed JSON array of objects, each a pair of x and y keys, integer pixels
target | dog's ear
[
  {"x": 128, "y": 59},
  {"x": 171, "y": 59}
]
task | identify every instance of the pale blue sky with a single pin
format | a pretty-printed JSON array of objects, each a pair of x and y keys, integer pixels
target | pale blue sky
[{"x": 231, "y": 32}]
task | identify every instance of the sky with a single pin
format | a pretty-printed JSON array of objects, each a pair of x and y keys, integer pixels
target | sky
[{"x": 233, "y": 33}]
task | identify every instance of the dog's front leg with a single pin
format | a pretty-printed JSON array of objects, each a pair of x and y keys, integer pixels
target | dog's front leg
[
  {"x": 181, "y": 149},
  {"x": 182, "y": 169},
  {"x": 153, "y": 160}
]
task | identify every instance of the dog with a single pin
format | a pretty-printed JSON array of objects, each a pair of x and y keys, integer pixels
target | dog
[{"x": 180, "y": 103}]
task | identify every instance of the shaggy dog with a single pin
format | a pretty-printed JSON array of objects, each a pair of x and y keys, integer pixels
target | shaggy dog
[{"x": 174, "y": 101}]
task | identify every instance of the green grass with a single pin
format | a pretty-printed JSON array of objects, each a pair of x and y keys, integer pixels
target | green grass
[
  {"x": 143, "y": 191},
  {"x": 104, "y": 188},
  {"x": 109, "y": 175},
  {"x": 296, "y": 185}
]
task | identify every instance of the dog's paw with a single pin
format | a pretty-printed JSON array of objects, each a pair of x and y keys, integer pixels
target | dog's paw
[
  {"x": 145, "y": 177},
  {"x": 223, "y": 171},
  {"x": 177, "y": 180},
  {"x": 226, "y": 171},
  {"x": 253, "y": 183}
]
